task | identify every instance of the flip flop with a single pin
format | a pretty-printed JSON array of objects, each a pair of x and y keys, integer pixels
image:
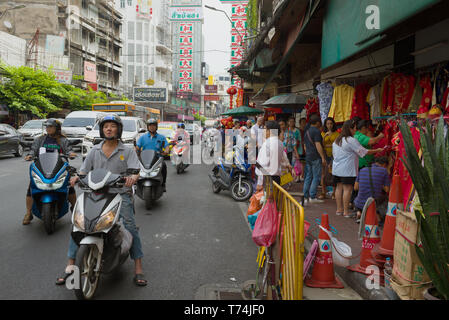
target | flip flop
[
  {"x": 351, "y": 215},
  {"x": 339, "y": 213},
  {"x": 139, "y": 280},
  {"x": 64, "y": 277}
]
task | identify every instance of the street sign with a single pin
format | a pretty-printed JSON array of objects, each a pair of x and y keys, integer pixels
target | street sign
[
  {"x": 150, "y": 82},
  {"x": 150, "y": 95},
  {"x": 210, "y": 88}
]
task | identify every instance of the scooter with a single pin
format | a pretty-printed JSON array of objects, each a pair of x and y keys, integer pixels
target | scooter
[
  {"x": 180, "y": 150},
  {"x": 103, "y": 241},
  {"x": 234, "y": 177},
  {"x": 49, "y": 175},
  {"x": 149, "y": 186}
]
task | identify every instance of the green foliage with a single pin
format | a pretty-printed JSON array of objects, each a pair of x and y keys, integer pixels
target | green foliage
[
  {"x": 431, "y": 181},
  {"x": 37, "y": 91},
  {"x": 252, "y": 16}
]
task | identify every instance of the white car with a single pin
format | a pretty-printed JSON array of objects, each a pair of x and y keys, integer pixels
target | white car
[
  {"x": 75, "y": 123},
  {"x": 32, "y": 129},
  {"x": 133, "y": 128}
]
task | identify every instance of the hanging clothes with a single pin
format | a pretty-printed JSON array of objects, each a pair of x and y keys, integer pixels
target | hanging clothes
[
  {"x": 325, "y": 94},
  {"x": 397, "y": 93},
  {"x": 360, "y": 108},
  {"x": 426, "y": 100},
  {"x": 373, "y": 99},
  {"x": 312, "y": 107},
  {"x": 341, "y": 106},
  {"x": 416, "y": 98}
]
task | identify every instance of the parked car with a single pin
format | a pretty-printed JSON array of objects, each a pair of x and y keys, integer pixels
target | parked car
[
  {"x": 32, "y": 129},
  {"x": 75, "y": 124},
  {"x": 10, "y": 140},
  {"x": 133, "y": 128}
]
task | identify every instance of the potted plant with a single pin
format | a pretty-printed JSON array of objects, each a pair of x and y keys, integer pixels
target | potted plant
[{"x": 430, "y": 176}]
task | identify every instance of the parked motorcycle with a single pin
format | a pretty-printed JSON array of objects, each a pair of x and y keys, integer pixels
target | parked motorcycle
[
  {"x": 49, "y": 175},
  {"x": 234, "y": 177},
  {"x": 179, "y": 151},
  {"x": 149, "y": 186},
  {"x": 103, "y": 241}
]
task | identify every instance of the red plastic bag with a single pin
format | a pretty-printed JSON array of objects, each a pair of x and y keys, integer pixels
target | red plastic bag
[
  {"x": 298, "y": 168},
  {"x": 266, "y": 226}
]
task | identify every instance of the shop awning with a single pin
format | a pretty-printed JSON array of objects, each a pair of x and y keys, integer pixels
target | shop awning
[
  {"x": 350, "y": 26},
  {"x": 310, "y": 11}
]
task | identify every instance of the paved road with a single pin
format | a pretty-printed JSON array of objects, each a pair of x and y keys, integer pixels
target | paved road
[{"x": 191, "y": 238}]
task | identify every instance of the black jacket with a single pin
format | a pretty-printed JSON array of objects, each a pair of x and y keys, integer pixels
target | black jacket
[{"x": 39, "y": 142}]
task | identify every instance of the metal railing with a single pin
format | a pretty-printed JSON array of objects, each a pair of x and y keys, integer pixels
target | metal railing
[{"x": 288, "y": 250}]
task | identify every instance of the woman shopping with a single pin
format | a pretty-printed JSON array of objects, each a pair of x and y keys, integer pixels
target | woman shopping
[
  {"x": 329, "y": 134},
  {"x": 346, "y": 151}
]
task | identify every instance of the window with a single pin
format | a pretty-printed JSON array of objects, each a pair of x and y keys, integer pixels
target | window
[
  {"x": 122, "y": 4},
  {"x": 139, "y": 53},
  {"x": 146, "y": 32},
  {"x": 131, "y": 52},
  {"x": 130, "y": 2},
  {"x": 145, "y": 57},
  {"x": 139, "y": 31},
  {"x": 138, "y": 74},
  {"x": 130, "y": 30},
  {"x": 130, "y": 75},
  {"x": 145, "y": 73}
]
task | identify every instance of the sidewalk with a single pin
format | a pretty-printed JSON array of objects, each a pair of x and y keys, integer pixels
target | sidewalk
[{"x": 347, "y": 231}]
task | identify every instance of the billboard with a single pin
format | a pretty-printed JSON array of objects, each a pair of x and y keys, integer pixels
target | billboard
[
  {"x": 90, "y": 72},
  {"x": 186, "y": 13},
  {"x": 158, "y": 95}
]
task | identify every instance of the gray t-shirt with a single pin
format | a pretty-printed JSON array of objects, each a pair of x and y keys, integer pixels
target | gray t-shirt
[
  {"x": 311, "y": 136},
  {"x": 121, "y": 159}
]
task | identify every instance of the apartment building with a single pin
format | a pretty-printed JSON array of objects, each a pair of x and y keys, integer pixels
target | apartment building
[{"x": 80, "y": 35}]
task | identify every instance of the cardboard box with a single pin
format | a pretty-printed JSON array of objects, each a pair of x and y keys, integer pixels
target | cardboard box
[{"x": 409, "y": 279}]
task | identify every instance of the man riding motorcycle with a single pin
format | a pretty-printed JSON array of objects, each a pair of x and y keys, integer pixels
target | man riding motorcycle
[
  {"x": 154, "y": 141},
  {"x": 181, "y": 132},
  {"x": 114, "y": 156},
  {"x": 53, "y": 141}
]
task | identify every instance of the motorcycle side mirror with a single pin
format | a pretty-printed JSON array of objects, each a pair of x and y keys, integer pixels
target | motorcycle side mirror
[
  {"x": 88, "y": 128},
  {"x": 142, "y": 130}
]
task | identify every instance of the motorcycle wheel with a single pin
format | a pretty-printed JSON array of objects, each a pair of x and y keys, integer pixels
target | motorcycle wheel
[
  {"x": 86, "y": 261},
  {"x": 147, "y": 195},
  {"x": 178, "y": 169},
  {"x": 48, "y": 217},
  {"x": 245, "y": 193}
]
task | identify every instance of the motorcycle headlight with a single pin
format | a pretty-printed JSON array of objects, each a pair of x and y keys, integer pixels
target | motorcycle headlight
[
  {"x": 106, "y": 219},
  {"x": 155, "y": 169},
  {"x": 128, "y": 141},
  {"x": 49, "y": 186},
  {"x": 78, "y": 219}
]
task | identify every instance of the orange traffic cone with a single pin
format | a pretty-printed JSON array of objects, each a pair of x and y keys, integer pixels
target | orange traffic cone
[
  {"x": 394, "y": 203},
  {"x": 370, "y": 238},
  {"x": 323, "y": 269}
]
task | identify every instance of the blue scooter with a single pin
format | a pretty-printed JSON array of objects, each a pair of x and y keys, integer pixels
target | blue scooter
[
  {"x": 49, "y": 176},
  {"x": 235, "y": 177}
]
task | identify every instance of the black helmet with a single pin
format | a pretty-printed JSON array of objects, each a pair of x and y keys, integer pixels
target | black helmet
[
  {"x": 181, "y": 125},
  {"x": 152, "y": 121},
  {"x": 111, "y": 118},
  {"x": 53, "y": 123}
]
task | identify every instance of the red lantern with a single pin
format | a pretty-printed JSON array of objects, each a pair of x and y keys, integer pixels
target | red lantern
[{"x": 231, "y": 91}]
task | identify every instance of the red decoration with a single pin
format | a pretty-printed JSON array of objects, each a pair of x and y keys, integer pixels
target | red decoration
[{"x": 231, "y": 91}]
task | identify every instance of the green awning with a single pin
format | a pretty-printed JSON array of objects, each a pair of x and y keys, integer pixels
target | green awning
[
  {"x": 346, "y": 22},
  {"x": 242, "y": 111}
]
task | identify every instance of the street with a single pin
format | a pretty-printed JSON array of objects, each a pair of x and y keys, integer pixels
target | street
[{"x": 191, "y": 238}]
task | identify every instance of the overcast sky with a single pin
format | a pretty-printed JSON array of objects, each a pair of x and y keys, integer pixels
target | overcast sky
[{"x": 217, "y": 36}]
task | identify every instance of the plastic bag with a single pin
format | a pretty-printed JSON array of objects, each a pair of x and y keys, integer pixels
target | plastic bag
[
  {"x": 341, "y": 252},
  {"x": 252, "y": 219},
  {"x": 298, "y": 168},
  {"x": 254, "y": 203},
  {"x": 266, "y": 227}
]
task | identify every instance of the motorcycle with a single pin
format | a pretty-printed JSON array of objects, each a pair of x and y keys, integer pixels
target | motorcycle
[
  {"x": 179, "y": 151},
  {"x": 234, "y": 177},
  {"x": 149, "y": 186},
  {"x": 103, "y": 241},
  {"x": 49, "y": 175}
]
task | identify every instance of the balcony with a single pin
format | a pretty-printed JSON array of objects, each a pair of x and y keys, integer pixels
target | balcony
[
  {"x": 163, "y": 65},
  {"x": 163, "y": 47}
]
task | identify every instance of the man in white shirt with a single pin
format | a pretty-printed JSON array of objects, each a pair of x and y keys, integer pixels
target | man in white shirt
[
  {"x": 257, "y": 133},
  {"x": 272, "y": 157}
]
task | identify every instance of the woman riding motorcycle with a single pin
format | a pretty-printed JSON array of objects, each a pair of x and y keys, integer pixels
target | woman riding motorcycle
[{"x": 53, "y": 141}]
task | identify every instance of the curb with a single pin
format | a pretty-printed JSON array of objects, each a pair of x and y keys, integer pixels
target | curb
[{"x": 356, "y": 281}]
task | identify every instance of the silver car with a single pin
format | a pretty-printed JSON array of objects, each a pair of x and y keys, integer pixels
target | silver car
[{"x": 32, "y": 129}]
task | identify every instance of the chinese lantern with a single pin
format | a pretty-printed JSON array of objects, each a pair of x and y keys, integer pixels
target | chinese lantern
[{"x": 231, "y": 91}]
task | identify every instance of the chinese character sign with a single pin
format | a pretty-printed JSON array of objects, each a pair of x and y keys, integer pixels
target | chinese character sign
[{"x": 186, "y": 57}]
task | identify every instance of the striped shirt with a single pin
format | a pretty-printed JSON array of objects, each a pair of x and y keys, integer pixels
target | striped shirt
[{"x": 380, "y": 179}]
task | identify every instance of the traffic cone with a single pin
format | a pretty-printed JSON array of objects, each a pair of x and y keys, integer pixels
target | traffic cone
[
  {"x": 370, "y": 238},
  {"x": 323, "y": 268},
  {"x": 394, "y": 204}
]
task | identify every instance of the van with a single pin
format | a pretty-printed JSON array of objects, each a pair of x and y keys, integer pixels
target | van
[{"x": 75, "y": 123}]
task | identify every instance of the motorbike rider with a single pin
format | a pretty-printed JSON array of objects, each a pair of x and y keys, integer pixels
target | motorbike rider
[
  {"x": 113, "y": 155},
  {"x": 154, "y": 141},
  {"x": 181, "y": 132},
  {"x": 52, "y": 141}
]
